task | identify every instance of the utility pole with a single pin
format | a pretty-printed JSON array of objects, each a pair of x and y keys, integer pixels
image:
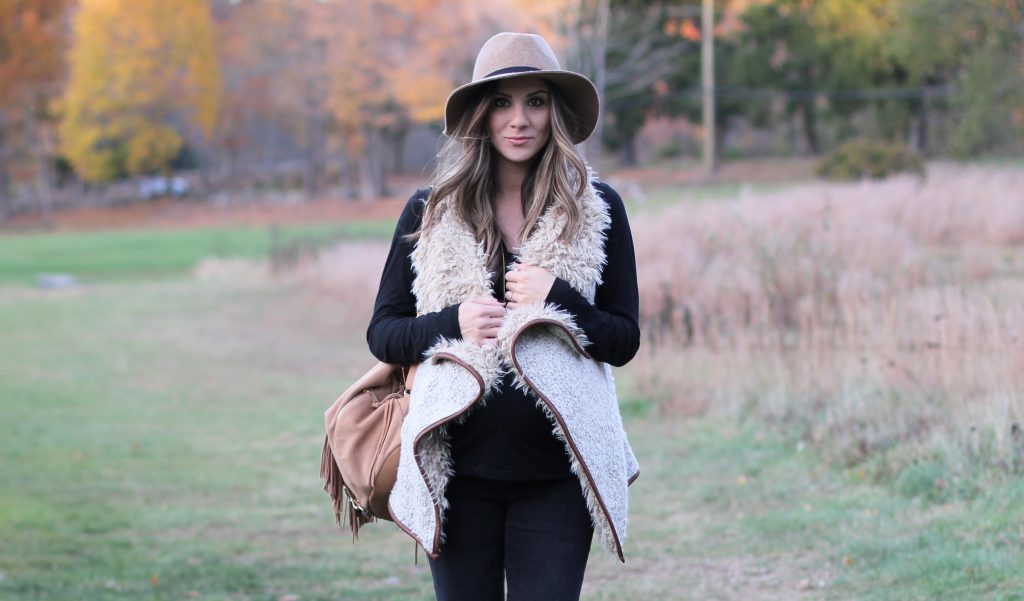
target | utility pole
[{"x": 707, "y": 72}]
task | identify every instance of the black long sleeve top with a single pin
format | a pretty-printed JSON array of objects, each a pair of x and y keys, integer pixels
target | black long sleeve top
[{"x": 509, "y": 437}]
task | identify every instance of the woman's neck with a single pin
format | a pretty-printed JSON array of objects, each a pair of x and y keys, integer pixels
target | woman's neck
[
  {"x": 508, "y": 207},
  {"x": 509, "y": 179}
]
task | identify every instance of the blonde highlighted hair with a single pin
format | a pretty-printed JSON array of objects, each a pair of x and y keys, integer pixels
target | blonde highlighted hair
[{"x": 465, "y": 174}]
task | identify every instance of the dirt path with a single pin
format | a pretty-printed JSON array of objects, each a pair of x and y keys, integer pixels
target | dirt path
[{"x": 187, "y": 214}]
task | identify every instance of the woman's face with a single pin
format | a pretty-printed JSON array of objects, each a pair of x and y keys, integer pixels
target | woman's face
[{"x": 519, "y": 120}]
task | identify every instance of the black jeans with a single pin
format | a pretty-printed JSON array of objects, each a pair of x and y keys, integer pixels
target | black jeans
[{"x": 535, "y": 536}]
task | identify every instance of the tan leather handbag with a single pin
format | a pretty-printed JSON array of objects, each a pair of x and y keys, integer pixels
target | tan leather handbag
[{"x": 359, "y": 463}]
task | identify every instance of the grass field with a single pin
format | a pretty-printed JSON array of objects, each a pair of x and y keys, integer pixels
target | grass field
[
  {"x": 161, "y": 434},
  {"x": 135, "y": 254}
]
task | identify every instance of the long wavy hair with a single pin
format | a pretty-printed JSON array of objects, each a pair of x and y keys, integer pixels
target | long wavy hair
[{"x": 465, "y": 173}]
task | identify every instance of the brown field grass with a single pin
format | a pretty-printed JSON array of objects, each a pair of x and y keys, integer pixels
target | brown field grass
[
  {"x": 873, "y": 315},
  {"x": 870, "y": 318}
]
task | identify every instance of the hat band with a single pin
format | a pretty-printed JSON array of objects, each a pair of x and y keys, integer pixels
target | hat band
[{"x": 507, "y": 70}]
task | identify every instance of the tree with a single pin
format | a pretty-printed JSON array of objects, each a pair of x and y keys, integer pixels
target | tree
[
  {"x": 254, "y": 41},
  {"x": 32, "y": 41},
  {"x": 777, "y": 48},
  {"x": 977, "y": 49},
  {"x": 393, "y": 67},
  {"x": 855, "y": 52},
  {"x": 144, "y": 79},
  {"x": 342, "y": 81},
  {"x": 650, "y": 59}
]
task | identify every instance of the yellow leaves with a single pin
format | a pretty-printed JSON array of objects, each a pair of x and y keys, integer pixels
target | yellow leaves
[
  {"x": 151, "y": 148},
  {"x": 95, "y": 157},
  {"x": 137, "y": 67}
]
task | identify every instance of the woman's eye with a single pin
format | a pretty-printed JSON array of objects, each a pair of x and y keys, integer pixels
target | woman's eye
[
  {"x": 501, "y": 102},
  {"x": 536, "y": 101}
]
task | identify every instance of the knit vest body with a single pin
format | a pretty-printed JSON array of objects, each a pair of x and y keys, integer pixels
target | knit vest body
[{"x": 541, "y": 344}]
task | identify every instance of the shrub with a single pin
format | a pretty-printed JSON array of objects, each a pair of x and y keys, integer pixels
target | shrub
[
  {"x": 866, "y": 158},
  {"x": 671, "y": 150}
]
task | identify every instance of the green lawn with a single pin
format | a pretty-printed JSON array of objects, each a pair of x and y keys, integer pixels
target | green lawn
[
  {"x": 160, "y": 439},
  {"x": 134, "y": 254}
]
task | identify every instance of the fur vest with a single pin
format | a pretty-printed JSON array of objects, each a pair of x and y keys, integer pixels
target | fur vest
[{"x": 546, "y": 351}]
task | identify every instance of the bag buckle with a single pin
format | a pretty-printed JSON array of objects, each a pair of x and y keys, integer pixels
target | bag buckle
[{"x": 352, "y": 500}]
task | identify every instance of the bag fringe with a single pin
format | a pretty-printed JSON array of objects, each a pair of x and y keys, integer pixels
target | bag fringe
[{"x": 340, "y": 497}]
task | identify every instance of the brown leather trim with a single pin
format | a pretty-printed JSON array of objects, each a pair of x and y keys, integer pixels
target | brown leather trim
[
  {"x": 561, "y": 422},
  {"x": 435, "y": 550},
  {"x": 547, "y": 320}
]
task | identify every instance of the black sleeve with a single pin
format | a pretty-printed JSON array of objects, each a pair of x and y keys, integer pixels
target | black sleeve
[
  {"x": 612, "y": 322},
  {"x": 395, "y": 334}
]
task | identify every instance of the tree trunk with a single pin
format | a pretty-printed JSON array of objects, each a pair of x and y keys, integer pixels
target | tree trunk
[
  {"x": 719, "y": 146},
  {"x": 599, "y": 61},
  {"x": 809, "y": 120},
  {"x": 6, "y": 201},
  {"x": 205, "y": 181},
  {"x": 922, "y": 127},
  {"x": 627, "y": 152},
  {"x": 791, "y": 134},
  {"x": 397, "y": 148},
  {"x": 204, "y": 162},
  {"x": 371, "y": 166},
  {"x": 347, "y": 176},
  {"x": 41, "y": 153},
  {"x": 313, "y": 154},
  {"x": 233, "y": 158}
]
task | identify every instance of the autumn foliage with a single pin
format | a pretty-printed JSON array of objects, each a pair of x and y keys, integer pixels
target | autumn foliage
[
  {"x": 323, "y": 94},
  {"x": 142, "y": 73},
  {"x": 31, "y": 65},
  {"x": 30, "y": 46}
]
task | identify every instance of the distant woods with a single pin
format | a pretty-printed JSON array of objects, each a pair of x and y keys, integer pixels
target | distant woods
[{"x": 330, "y": 97}]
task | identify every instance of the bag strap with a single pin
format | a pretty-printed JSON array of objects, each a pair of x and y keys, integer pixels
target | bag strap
[{"x": 408, "y": 375}]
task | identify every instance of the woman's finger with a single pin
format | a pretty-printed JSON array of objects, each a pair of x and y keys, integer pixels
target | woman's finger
[{"x": 495, "y": 312}]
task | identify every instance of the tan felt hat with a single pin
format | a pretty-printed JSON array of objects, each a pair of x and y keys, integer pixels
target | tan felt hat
[{"x": 509, "y": 55}]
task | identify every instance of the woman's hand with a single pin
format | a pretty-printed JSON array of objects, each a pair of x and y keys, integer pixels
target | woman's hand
[
  {"x": 526, "y": 284},
  {"x": 480, "y": 318}
]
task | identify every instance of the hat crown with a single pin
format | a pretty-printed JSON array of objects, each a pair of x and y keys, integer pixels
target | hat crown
[
  {"x": 513, "y": 55},
  {"x": 510, "y": 50}
]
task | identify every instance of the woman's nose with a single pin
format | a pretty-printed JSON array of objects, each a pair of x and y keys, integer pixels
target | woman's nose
[{"x": 519, "y": 116}]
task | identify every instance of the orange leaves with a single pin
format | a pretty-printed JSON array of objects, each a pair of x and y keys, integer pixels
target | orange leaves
[
  {"x": 384, "y": 64},
  {"x": 31, "y": 42},
  {"x": 685, "y": 28}
]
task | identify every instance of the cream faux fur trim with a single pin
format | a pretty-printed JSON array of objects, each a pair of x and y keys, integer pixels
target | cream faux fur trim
[
  {"x": 451, "y": 266},
  {"x": 579, "y": 261}
]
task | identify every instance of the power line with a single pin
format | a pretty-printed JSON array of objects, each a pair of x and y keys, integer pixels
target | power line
[
  {"x": 801, "y": 95},
  {"x": 888, "y": 93}
]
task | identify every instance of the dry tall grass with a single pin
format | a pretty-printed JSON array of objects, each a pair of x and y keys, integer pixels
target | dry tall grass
[
  {"x": 875, "y": 316},
  {"x": 348, "y": 271}
]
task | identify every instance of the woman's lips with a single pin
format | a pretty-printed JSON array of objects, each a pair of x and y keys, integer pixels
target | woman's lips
[{"x": 518, "y": 141}]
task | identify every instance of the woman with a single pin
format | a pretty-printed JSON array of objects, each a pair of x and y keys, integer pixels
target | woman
[{"x": 512, "y": 279}]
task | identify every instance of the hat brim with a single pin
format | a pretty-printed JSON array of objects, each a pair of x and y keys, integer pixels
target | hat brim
[{"x": 578, "y": 91}]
